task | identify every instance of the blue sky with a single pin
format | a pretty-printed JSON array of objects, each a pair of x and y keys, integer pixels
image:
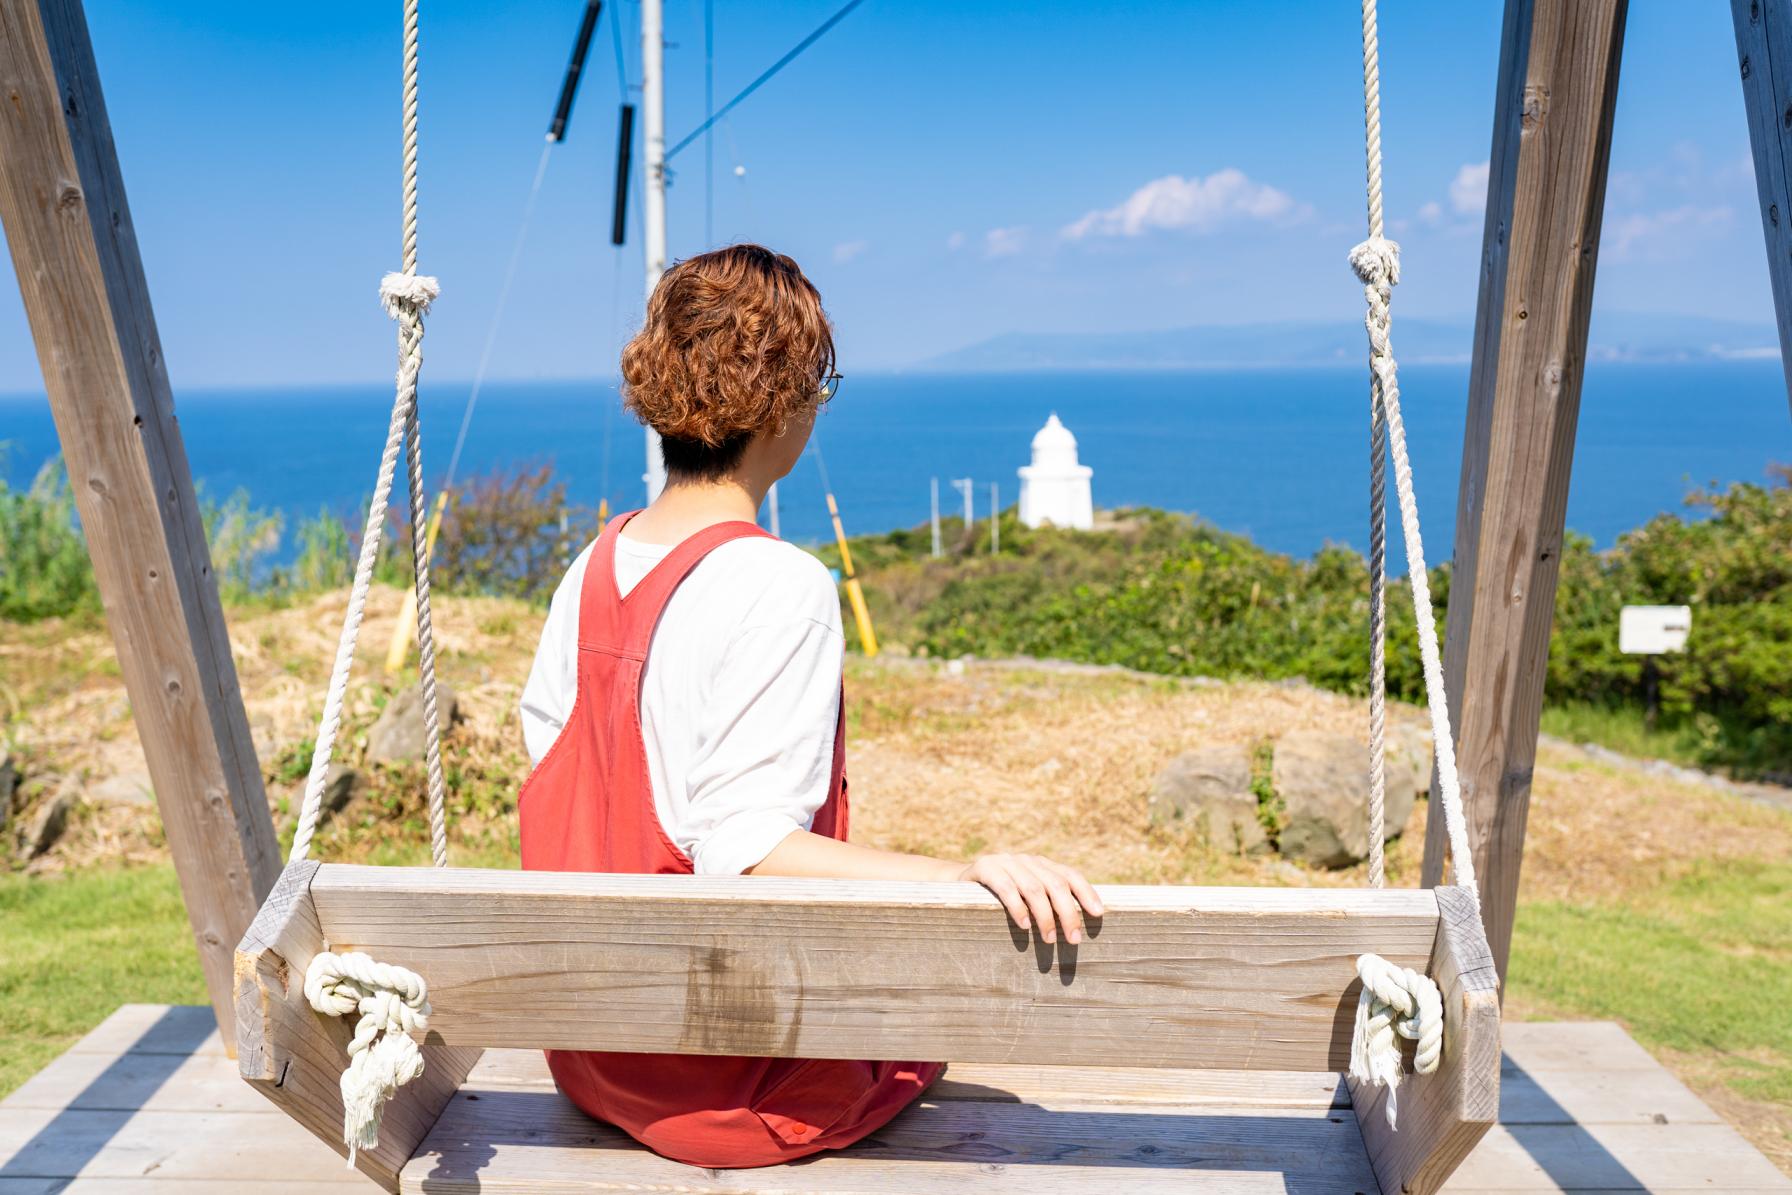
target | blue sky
[{"x": 945, "y": 171}]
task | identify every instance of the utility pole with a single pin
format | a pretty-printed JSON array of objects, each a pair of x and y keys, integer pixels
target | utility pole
[
  {"x": 966, "y": 486},
  {"x": 995, "y": 520},
  {"x": 653, "y": 162},
  {"x": 771, "y": 498},
  {"x": 936, "y": 517}
]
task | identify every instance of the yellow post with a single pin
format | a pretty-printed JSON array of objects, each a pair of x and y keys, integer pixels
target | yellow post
[
  {"x": 399, "y": 650},
  {"x": 861, "y": 614}
]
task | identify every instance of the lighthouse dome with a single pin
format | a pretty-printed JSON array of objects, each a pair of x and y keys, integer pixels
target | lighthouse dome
[{"x": 1054, "y": 445}]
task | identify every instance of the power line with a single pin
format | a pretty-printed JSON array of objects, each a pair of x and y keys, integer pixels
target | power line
[{"x": 769, "y": 72}]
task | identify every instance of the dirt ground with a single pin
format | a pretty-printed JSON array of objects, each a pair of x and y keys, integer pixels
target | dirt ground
[{"x": 944, "y": 759}]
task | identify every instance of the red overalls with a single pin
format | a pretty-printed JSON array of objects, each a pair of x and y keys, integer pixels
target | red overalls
[{"x": 589, "y": 807}]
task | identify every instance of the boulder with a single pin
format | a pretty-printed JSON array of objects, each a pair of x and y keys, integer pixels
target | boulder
[
  {"x": 127, "y": 788},
  {"x": 340, "y": 786},
  {"x": 46, "y": 825},
  {"x": 1208, "y": 790},
  {"x": 1409, "y": 755},
  {"x": 398, "y": 736},
  {"x": 1322, "y": 780}
]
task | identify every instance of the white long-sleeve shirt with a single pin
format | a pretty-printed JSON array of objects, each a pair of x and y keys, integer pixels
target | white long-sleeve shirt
[{"x": 739, "y": 697}]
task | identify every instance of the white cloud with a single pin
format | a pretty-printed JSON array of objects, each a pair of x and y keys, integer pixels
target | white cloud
[
  {"x": 1468, "y": 190},
  {"x": 845, "y": 251},
  {"x": 1431, "y": 213},
  {"x": 1198, "y": 204},
  {"x": 1004, "y": 242},
  {"x": 955, "y": 242},
  {"x": 1659, "y": 234}
]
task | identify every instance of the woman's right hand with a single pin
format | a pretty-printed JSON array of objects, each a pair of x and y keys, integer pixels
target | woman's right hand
[{"x": 1037, "y": 890}]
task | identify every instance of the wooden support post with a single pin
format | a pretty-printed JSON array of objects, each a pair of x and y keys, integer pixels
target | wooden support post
[
  {"x": 1764, "y": 53},
  {"x": 1558, "y": 84},
  {"x": 63, "y": 202}
]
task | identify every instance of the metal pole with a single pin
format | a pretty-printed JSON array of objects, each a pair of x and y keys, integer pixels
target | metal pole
[
  {"x": 936, "y": 517},
  {"x": 965, "y": 486},
  {"x": 772, "y": 500},
  {"x": 995, "y": 519},
  {"x": 653, "y": 123}
]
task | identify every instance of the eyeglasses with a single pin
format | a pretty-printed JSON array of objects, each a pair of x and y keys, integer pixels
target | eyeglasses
[{"x": 830, "y": 386}]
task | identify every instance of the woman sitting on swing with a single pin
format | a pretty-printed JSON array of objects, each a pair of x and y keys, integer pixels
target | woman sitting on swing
[{"x": 685, "y": 710}]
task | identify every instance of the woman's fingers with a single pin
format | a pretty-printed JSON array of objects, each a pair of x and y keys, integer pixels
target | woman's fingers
[
  {"x": 1039, "y": 901},
  {"x": 1085, "y": 891},
  {"x": 1064, "y": 901},
  {"x": 1002, "y": 884}
]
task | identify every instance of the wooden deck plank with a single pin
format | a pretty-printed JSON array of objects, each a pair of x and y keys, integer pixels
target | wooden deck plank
[
  {"x": 173, "y": 1146},
  {"x": 1616, "y": 1157},
  {"x": 154, "y": 1029},
  {"x": 137, "y": 1082},
  {"x": 1177, "y": 977},
  {"x": 516, "y": 1141}
]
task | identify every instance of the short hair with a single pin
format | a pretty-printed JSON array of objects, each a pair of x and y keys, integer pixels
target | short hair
[{"x": 735, "y": 343}]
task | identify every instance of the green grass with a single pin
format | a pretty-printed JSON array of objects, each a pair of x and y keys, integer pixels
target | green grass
[
  {"x": 1701, "y": 964},
  {"x": 75, "y": 947},
  {"x": 1623, "y": 729}
]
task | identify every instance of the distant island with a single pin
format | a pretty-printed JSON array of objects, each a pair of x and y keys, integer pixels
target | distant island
[{"x": 1615, "y": 336}]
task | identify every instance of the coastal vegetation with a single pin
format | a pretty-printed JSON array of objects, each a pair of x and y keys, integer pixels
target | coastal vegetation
[{"x": 1147, "y": 590}]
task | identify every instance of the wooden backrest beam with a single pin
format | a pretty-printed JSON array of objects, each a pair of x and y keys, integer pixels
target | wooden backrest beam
[
  {"x": 1234, "y": 978},
  {"x": 73, "y": 248},
  {"x": 1764, "y": 59},
  {"x": 1558, "y": 85}
]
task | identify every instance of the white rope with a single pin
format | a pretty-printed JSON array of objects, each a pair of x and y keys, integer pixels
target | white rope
[
  {"x": 393, "y": 1004},
  {"x": 1395, "y": 1000},
  {"x": 406, "y": 296}
]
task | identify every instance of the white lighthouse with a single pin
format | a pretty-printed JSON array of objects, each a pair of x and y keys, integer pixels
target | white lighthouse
[{"x": 1054, "y": 488}]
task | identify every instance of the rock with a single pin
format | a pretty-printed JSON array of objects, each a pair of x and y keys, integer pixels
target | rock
[
  {"x": 340, "y": 786},
  {"x": 128, "y": 788},
  {"x": 1209, "y": 790},
  {"x": 398, "y": 735},
  {"x": 1409, "y": 753},
  {"x": 9, "y": 784},
  {"x": 1322, "y": 780},
  {"x": 46, "y": 825}
]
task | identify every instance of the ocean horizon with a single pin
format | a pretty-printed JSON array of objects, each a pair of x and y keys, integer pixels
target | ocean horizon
[{"x": 1277, "y": 454}]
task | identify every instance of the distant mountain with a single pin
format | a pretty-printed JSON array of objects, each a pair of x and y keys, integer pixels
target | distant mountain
[{"x": 1615, "y": 336}]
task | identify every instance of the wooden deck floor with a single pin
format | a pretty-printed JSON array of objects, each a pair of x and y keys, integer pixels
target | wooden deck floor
[{"x": 147, "y": 1104}]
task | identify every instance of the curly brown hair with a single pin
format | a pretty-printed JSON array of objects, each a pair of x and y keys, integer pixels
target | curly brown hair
[{"x": 735, "y": 343}]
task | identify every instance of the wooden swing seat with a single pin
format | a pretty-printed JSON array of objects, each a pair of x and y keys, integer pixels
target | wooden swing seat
[{"x": 1254, "y": 989}]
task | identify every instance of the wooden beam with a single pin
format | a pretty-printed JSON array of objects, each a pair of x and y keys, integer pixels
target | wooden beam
[
  {"x": 1236, "y": 978},
  {"x": 1558, "y": 84},
  {"x": 1443, "y": 1115},
  {"x": 73, "y": 248},
  {"x": 1764, "y": 53},
  {"x": 296, "y": 1057}
]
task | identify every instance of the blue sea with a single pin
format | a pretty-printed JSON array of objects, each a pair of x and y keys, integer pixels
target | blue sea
[{"x": 1278, "y": 455}]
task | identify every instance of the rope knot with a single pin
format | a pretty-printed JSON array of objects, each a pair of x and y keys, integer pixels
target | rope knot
[
  {"x": 1394, "y": 1001},
  {"x": 1376, "y": 262},
  {"x": 393, "y": 1004},
  {"x": 401, "y": 293}
]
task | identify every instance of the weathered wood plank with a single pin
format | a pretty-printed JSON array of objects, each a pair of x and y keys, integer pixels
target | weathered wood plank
[
  {"x": 1612, "y": 1157},
  {"x": 1764, "y": 60},
  {"x": 1173, "y": 977},
  {"x": 1573, "y": 1045},
  {"x": 536, "y": 1142},
  {"x": 39, "y": 1143},
  {"x": 296, "y": 1057},
  {"x": 74, "y": 251},
  {"x": 1057, "y": 1087},
  {"x": 1444, "y": 1114},
  {"x": 1558, "y": 85},
  {"x": 154, "y": 1029}
]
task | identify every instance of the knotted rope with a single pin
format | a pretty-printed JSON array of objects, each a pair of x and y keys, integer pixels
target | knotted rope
[
  {"x": 393, "y": 1004},
  {"x": 1394, "y": 999}
]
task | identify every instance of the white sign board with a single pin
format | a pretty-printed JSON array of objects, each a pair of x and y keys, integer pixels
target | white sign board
[{"x": 1650, "y": 630}]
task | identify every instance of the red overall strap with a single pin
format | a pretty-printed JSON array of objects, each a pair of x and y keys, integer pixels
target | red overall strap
[{"x": 609, "y": 622}]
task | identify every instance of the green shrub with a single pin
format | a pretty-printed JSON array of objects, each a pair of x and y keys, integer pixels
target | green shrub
[{"x": 44, "y": 569}]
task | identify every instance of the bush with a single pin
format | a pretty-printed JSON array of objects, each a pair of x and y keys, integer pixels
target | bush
[
  {"x": 44, "y": 569},
  {"x": 505, "y": 533}
]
